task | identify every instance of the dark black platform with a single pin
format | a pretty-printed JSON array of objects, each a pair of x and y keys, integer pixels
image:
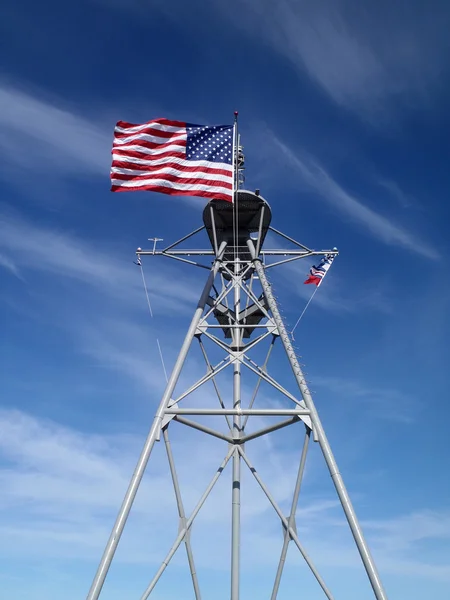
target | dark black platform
[{"x": 248, "y": 209}]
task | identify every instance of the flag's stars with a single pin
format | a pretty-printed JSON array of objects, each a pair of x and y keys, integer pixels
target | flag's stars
[{"x": 212, "y": 144}]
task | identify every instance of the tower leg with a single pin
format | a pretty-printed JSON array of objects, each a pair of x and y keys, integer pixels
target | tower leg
[
  {"x": 341, "y": 490},
  {"x": 154, "y": 433}
]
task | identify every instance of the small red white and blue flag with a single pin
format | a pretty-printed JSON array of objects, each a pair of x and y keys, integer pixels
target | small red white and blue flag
[
  {"x": 173, "y": 157},
  {"x": 316, "y": 274}
]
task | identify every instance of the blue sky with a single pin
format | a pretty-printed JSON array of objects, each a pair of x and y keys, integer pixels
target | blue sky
[{"x": 345, "y": 124}]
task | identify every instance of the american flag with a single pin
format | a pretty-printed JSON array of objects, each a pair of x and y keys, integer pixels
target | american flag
[
  {"x": 173, "y": 157},
  {"x": 316, "y": 274}
]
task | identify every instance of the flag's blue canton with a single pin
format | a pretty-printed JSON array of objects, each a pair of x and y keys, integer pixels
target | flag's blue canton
[{"x": 214, "y": 144}]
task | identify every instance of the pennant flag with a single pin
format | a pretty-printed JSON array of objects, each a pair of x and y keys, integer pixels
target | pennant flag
[
  {"x": 319, "y": 272},
  {"x": 173, "y": 157}
]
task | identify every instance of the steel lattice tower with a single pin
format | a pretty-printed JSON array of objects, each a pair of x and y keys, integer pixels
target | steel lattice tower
[{"x": 236, "y": 312}]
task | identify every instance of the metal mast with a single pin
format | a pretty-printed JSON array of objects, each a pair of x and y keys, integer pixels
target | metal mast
[
  {"x": 236, "y": 313},
  {"x": 236, "y": 336}
]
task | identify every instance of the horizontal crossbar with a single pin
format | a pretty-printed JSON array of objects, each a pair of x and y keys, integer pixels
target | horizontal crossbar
[{"x": 273, "y": 412}]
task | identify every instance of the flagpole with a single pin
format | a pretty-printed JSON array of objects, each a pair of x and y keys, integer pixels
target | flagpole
[
  {"x": 235, "y": 156},
  {"x": 235, "y": 183}
]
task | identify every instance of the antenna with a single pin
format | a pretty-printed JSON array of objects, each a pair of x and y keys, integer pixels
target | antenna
[{"x": 155, "y": 240}]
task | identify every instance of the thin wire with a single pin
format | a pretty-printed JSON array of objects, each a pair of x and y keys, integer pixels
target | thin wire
[
  {"x": 151, "y": 315},
  {"x": 162, "y": 361},
  {"x": 303, "y": 312},
  {"x": 145, "y": 289}
]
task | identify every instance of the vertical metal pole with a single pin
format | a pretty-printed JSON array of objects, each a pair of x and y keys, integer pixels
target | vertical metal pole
[
  {"x": 235, "y": 156},
  {"x": 319, "y": 431},
  {"x": 236, "y": 483},
  {"x": 154, "y": 433},
  {"x": 291, "y": 520}
]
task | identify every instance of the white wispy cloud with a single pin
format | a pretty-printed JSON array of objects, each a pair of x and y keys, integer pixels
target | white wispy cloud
[
  {"x": 61, "y": 488},
  {"x": 314, "y": 175},
  {"x": 381, "y": 401},
  {"x": 127, "y": 346},
  {"x": 46, "y": 138},
  {"x": 375, "y": 60},
  {"x": 60, "y": 253},
  {"x": 9, "y": 265},
  {"x": 39, "y": 134},
  {"x": 63, "y": 480},
  {"x": 333, "y": 295},
  {"x": 368, "y": 58},
  {"x": 413, "y": 528},
  {"x": 96, "y": 300},
  {"x": 395, "y": 191}
]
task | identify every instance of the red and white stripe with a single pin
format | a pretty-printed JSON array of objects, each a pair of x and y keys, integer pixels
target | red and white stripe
[{"x": 152, "y": 157}]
